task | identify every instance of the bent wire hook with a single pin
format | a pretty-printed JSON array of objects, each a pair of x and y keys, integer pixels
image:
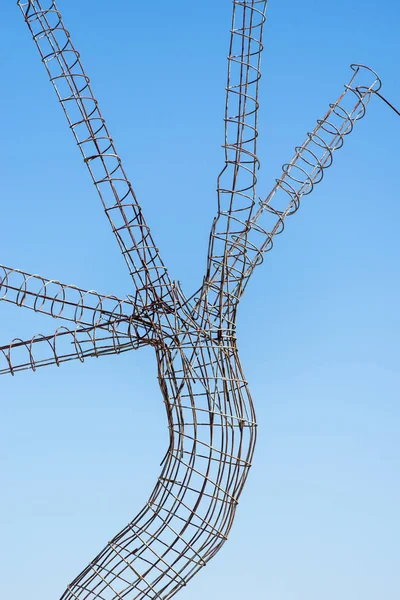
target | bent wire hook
[{"x": 210, "y": 413}]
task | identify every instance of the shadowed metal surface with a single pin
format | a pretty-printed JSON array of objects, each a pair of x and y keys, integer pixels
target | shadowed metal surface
[{"x": 210, "y": 413}]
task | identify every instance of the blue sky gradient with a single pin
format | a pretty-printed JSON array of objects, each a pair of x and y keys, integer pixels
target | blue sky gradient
[{"x": 319, "y": 325}]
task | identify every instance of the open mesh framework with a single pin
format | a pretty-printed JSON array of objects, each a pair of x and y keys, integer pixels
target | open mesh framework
[{"x": 211, "y": 419}]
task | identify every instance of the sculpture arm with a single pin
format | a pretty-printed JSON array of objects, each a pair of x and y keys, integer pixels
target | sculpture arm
[
  {"x": 238, "y": 179},
  {"x": 73, "y": 88},
  {"x": 68, "y": 344},
  {"x": 61, "y": 301}
]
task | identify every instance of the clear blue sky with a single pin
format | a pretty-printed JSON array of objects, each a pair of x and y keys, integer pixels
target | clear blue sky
[{"x": 319, "y": 327}]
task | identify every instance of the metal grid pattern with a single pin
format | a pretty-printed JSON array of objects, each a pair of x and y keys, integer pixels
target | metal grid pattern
[{"x": 210, "y": 412}]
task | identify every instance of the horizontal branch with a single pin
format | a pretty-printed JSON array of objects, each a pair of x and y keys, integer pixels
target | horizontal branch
[
  {"x": 66, "y": 345},
  {"x": 61, "y": 301}
]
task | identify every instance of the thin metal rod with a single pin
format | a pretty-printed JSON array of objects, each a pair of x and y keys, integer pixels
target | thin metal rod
[{"x": 388, "y": 103}]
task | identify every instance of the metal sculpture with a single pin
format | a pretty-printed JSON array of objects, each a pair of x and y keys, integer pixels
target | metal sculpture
[{"x": 210, "y": 413}]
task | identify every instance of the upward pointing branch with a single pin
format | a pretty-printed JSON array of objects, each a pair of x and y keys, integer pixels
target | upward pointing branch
[
  {"x": 238, "y": 179},
  {"x": 298, "y": 179},
  {"x": 81, "y": 108}
]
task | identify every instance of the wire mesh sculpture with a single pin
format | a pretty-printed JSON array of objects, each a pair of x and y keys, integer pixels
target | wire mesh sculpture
[{"x": 211, "y": 418}]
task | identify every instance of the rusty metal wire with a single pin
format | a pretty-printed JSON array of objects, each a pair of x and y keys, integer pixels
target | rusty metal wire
[
  {"x": 61, "y": 301},
  {"x": 65, "y": 345},
  {"x": 210, "y": 413}
]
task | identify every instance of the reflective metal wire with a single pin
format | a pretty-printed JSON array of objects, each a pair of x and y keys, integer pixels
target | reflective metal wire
[{"x": 210, "y": 413}]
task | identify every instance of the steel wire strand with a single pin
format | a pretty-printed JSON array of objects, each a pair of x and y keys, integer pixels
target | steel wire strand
[
  {"x": 73, "y": 88},
  {"x": 237, "y": 182},
  {"x": 299, "y": 178}
]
